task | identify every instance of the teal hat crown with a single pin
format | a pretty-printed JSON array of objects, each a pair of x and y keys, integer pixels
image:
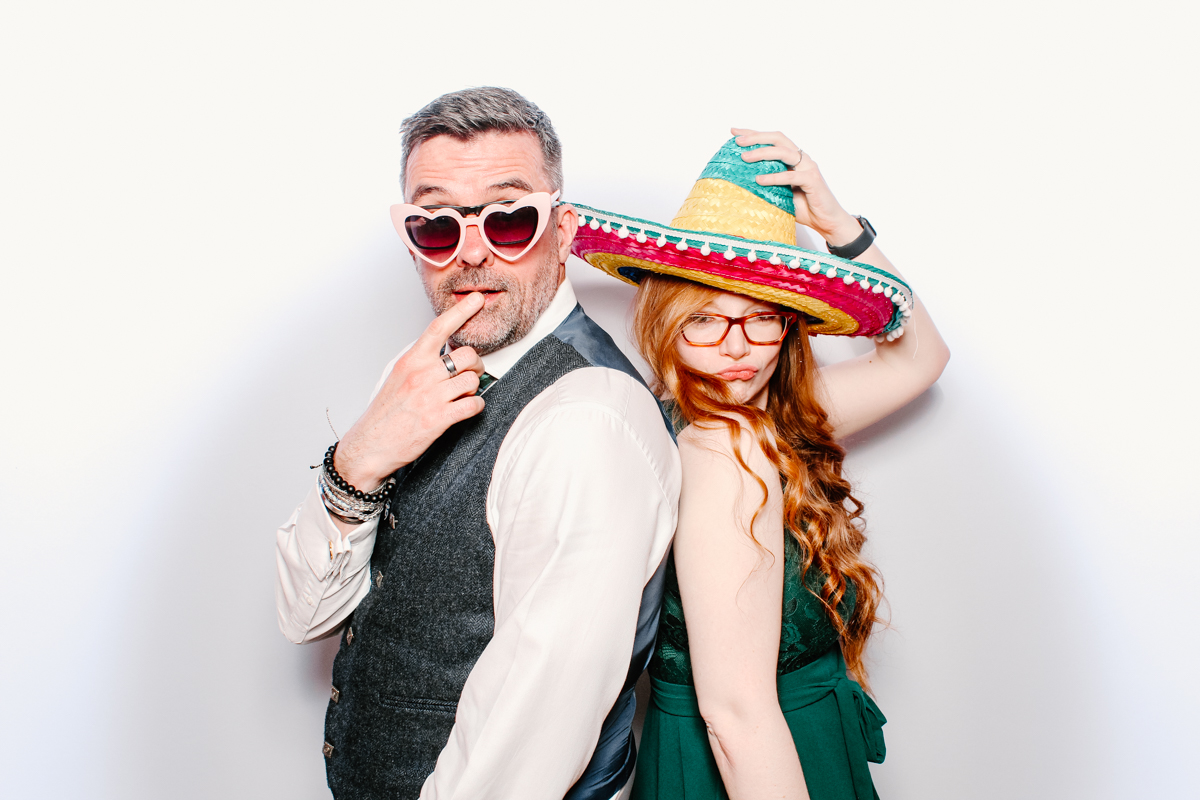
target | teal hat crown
[{"x": 728, "y": 165}]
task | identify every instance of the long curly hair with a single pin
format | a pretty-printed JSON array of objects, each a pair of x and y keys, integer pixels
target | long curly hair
[{"x": 819, "y": 510}]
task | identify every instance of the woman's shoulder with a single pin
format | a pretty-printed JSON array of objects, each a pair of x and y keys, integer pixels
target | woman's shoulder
[
  {"x": 716, "y": 445},
  {"x": 714, "y": 437}
]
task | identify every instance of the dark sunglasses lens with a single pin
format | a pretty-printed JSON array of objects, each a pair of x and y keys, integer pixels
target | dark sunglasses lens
[
  {"x": 439, "y": 233},
  {"x": 509, "y": 229}
]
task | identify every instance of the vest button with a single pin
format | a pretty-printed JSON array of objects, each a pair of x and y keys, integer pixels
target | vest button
[
  {"x": 327, "y": 750},
  {"x": 334, "y": 694}
]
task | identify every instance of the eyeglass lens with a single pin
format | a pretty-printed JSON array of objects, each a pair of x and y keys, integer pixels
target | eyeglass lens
[
  {"x": 502, "y": 228},
  {"x": 758, "y": 329}
]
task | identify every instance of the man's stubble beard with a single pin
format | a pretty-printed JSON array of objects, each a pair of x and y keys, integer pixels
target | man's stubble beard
[{"x": 509, "y": 319}]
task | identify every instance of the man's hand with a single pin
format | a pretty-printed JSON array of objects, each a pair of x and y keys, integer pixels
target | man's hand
[{"x": 418, "y": 402}]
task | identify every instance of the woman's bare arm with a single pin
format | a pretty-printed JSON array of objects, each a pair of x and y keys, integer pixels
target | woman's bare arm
[
  {"x": 863, "y": 390},
  {"x": 732, "y": 592}
]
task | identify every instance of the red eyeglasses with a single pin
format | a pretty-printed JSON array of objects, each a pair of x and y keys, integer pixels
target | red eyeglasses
[
  {"x": 509, "y": 228},
  {"x": 709, "y": 330}
]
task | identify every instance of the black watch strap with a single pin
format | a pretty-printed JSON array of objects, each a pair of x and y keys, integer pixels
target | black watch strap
[{"x": 858, "y": 246}]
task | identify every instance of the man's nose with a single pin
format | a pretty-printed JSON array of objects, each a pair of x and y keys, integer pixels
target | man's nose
[
  {"x": 474, "y": 252},
  {"x": 735, "y": 344}
]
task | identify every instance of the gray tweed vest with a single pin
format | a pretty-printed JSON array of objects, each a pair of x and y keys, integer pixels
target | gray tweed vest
[{"x": 413, "y": 640}]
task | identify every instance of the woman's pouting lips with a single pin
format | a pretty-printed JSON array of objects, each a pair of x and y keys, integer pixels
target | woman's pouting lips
[{"x": 739, "y": 373}]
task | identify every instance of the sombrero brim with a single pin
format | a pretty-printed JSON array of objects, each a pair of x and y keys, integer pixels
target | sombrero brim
[{"x": 840, "y": 297}]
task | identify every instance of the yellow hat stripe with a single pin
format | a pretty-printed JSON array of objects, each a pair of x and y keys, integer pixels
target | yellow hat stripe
[{"x": 718, "y": 206}]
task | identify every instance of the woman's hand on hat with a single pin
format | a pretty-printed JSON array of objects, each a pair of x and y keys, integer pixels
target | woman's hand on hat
[{"x": 816, "y": 206}]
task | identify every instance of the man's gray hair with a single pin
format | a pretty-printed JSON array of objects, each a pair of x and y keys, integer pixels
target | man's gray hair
[{"x": 469, "y": 112}]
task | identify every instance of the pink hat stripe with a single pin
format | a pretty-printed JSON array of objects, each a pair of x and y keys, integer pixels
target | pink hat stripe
[
  {"x": 879, "y": 303},
  {"x": 859, "y": 271},
  {"x": 741, "y": 270}
]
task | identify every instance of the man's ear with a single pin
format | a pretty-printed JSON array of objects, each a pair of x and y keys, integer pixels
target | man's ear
[{"x": 568, "y": 224}]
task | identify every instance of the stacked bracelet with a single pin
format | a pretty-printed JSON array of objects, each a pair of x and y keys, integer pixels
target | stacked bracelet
[{"x": 352, "y": 506}]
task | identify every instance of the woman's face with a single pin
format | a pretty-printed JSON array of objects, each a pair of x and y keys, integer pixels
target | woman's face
[{"x": 746, "y": 367}]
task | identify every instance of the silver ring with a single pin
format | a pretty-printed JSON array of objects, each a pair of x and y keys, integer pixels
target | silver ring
[
  {"x": 800, "y": 161},
  {"x": 449, "y": 362}
]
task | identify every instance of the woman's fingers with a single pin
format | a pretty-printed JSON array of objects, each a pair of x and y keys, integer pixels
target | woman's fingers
[
  {"x": 777, "y": 147},
  {"x": 815, "y": 204},
  {"x": 788, "y": 155},
  {"x": 747, "y": 137},
  {"x": 792, "y": 177}
]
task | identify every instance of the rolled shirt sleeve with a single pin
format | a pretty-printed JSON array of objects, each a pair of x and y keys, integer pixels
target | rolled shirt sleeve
[
  {"x": 582, "y": 505},
  {"x": 321, "y": 575}
]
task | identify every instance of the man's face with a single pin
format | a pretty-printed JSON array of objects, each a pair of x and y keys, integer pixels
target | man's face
[{"x": 493, "y": 166}]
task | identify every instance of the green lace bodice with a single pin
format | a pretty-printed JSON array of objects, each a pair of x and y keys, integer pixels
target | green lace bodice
[{"x": 806, "y": 634}]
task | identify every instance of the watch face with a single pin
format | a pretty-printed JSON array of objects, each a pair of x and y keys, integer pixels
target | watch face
[{"x": 867, "y": 226}]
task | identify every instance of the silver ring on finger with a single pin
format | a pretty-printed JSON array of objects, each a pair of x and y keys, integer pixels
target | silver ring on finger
[
  {"x": 450, "y": 367},
  {"x": 799, "y": 160}
]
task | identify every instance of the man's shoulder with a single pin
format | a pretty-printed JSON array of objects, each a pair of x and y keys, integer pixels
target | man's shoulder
[
  {"x": 592, "y": 410},
  {"x": 595, "y": 393},
  {"x": 599, "y": 388},
  {"x": 581, "y": 333}
]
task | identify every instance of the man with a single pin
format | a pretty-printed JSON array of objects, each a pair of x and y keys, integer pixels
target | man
[{"x": 489, "y": 536}]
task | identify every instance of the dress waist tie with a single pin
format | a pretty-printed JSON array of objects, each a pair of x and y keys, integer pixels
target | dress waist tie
[{"x": 862, "y": 721}]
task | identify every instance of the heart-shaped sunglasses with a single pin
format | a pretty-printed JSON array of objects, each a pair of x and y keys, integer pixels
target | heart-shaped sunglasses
[{"x": 509, "y": 228}]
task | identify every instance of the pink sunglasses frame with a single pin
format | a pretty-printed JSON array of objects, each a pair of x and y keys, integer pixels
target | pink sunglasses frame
[{"x": 542, "y": 201}]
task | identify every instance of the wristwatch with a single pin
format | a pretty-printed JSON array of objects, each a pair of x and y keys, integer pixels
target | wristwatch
[{"x": 858, "y": 246}]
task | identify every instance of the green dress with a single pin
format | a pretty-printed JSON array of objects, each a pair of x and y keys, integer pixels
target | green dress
[{"x": 835, "y": 725}]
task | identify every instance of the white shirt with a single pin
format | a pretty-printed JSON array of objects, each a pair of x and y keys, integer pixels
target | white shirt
[{"x": 582, "y": 506}]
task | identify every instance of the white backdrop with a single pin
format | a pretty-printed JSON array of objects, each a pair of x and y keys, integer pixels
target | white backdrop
[{"x": 197, "y": 262}]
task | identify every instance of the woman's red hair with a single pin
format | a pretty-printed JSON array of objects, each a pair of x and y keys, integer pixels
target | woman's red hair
[{"x": 818, "y": 507}]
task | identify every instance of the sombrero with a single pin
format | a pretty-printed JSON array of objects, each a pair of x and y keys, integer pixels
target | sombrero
[{"x": 737, "y": 236}]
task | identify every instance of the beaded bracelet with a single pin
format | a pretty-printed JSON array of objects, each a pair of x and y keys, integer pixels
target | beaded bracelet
[
  {"x": 377, "y": 496},
  {"x": 343, "y": 500}
]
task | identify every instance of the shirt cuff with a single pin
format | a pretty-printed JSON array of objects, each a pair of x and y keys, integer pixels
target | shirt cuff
[{"x": 327, "y": 552}]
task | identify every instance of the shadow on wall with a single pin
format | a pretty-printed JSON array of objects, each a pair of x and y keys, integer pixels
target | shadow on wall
[
  {"x": 209, "y": 700},
  {"x": 990, "y": 652}
]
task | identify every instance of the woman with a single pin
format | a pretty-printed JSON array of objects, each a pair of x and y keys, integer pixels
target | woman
[{"x": 768, "y": 601}]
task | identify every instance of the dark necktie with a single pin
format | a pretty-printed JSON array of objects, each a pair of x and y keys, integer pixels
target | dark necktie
[{"x": 485, "y": 383}]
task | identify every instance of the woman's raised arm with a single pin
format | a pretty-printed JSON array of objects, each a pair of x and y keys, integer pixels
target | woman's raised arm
[{"x": 862, "y": 390}]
